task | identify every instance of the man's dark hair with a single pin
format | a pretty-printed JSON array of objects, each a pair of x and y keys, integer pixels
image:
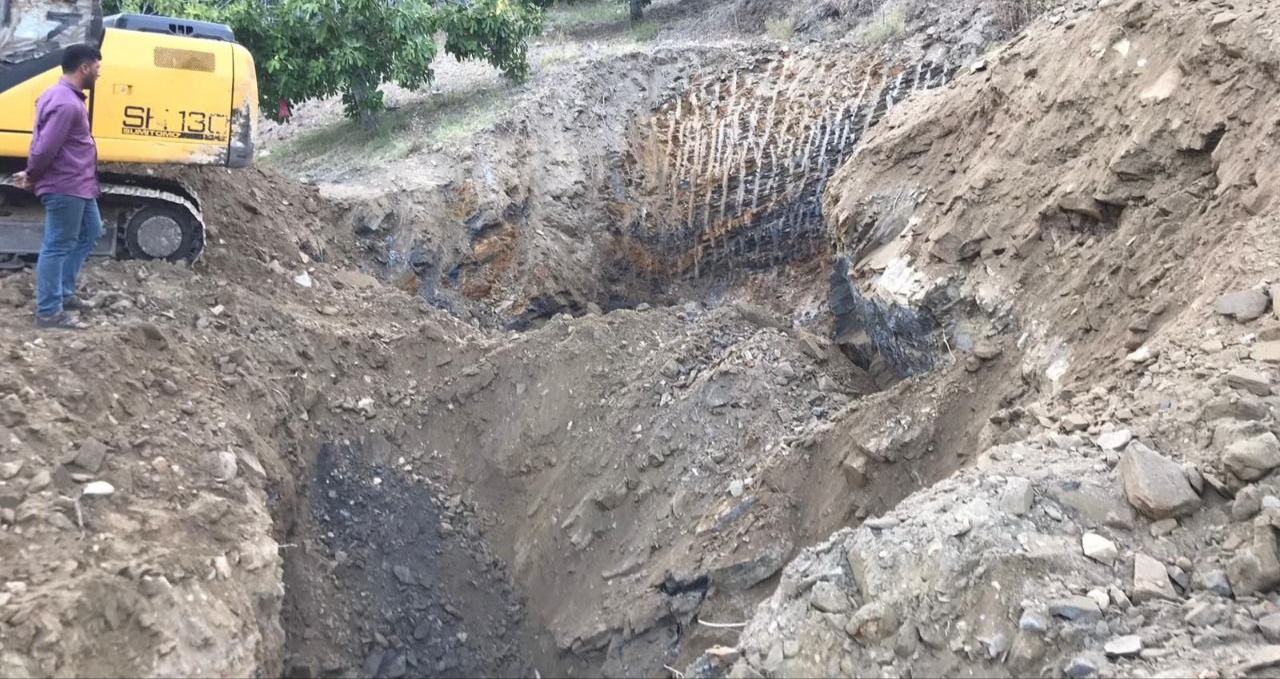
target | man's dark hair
[{"x": 78, "y": 55}]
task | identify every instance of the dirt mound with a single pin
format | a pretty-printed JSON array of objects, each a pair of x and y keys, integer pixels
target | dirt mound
[{"x": 1068, "y": 217}]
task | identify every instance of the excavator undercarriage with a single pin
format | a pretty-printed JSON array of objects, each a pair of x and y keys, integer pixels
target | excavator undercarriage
[{"x": 158, "y": 220}]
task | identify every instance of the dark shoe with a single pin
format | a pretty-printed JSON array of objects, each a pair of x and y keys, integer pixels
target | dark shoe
[
  {"x": 73, "y": 303},
  {"x": 61, "y": 320}
]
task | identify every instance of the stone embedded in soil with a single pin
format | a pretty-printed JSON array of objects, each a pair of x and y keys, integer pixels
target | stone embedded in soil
[
  {"x": 1115, "y": 440},
  {"x": 987, "y": 350},
  {"x": 89, "y": 456},
  {"x": 1124, "y": 647},
  {"x": 873, "y": 622},
  {"x": 1203, "y": 613},
  {"x": 11, "y": 497},
  {"x": 1075, "y": 608},
  {"x": 8, "y": 470},
  {"x": 1118, "y": 597},
  {"x": 60, "y": 521},
  {"x": 224, "y": 465},
  {"x": 1155, "y": 485},
  {"x": 1215, "y": 581},
  {"x": 1141, "y": 355},
  {"x": 724, "y": 655},
  {"x": 1075, "y": 422},
  {"x": 1033, "y": 622},
  {"x": 882, "y": 523},
  {"x": 1081, "y": 204},
  {"x": 1099, "y": 548},
  {"x": 354, "y": 279},
  {"x": 1163, "y": 528},
  {"x": 1150, "y": 580},
  {"x": 1083, "y": 665},
  {"x": 1252, "y": 458},
  {"x": 1267, "y": 352},
  {"x": 40, "y": 481},
  {"x": 1018, "y": 496},
  {"x": 829, "y": 598},
  {"x": 1270, "y": 628},
  {"x": 1251, "y": 381},
  {"x": 855, "y": 469},
  {"x": 1212, "y": 346},
  {"x": 1256, "y": 567},
  {"x": 1244, "y": 306},
  {"x": 745, "y": 571},
  {"x": 98, "y": 488}
]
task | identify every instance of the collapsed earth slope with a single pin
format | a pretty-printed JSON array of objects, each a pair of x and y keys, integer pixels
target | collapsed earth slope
[{"x": 1090, "y": 211}]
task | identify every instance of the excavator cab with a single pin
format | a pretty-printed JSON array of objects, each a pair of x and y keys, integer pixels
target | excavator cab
[{"x": 172, "y": 92}]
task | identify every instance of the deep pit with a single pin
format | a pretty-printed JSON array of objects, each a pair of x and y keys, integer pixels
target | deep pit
[
  {"x": 715, "y": 197},
  {"x": 626, "y": 539}
]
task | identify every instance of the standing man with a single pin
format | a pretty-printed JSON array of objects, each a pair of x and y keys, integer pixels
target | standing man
[{"x": 62, "y": 169}]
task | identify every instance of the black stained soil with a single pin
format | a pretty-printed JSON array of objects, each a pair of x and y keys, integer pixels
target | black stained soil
[{"x": 386, "y": 579}]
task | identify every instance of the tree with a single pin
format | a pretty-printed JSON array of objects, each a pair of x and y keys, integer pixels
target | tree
[
  {"x": 637, "y": 8},
  {"x": 307, "y": 49}
]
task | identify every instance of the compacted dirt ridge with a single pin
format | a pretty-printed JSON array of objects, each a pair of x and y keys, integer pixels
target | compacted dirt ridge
[{"x": 965, "y": 365}]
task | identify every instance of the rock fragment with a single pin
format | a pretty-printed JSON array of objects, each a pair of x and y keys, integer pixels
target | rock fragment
[
  {"x": 828, "y": 598},
  {"x": 1267, "y": 352},
  {"x": 101, "y": 488},
  {"x": 1155, "y": 485},
  {"x": 40, "y": 481},
  {"x": 1123, "y": 647},
  {"x": 1083, "y": 665},
  {"x": 1212, "y": 581},
  {"x": 1018, "y": 496},
  {"x": 987, "y": 351},
  {"x": 1244, "y": 306},
  {"x": 1255, "y": 567},
  {"x": 1099, "y": 548},
  {"x": 1251, "y": 381},
  {"x": 1270, "y": 628},
  {"x": 1115, "y": 440},
  {"x": 1076, "y": 608},
  {"x": 1253, "y": 458},
  {"x": 1150, "y": 580},
  {"x": 89, "y": 456}
]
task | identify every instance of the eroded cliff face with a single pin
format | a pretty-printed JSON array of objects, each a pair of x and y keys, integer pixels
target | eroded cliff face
[{"x": 727, "y": 177}]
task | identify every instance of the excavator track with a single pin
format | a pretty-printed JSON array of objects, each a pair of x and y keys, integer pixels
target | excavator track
[{"x": 142, "y": 217}]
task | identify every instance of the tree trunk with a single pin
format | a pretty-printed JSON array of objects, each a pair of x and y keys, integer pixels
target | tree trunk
[{"x": 637, "y": 10}]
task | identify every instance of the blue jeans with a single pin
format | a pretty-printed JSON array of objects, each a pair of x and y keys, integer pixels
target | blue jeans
[{"x": 72, "y": 227}]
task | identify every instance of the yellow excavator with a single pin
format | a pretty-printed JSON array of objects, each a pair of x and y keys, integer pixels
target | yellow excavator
[{"x": 172, "y": 91}]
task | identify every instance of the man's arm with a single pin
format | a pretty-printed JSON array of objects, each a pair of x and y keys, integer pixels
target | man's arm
[{"x": 48, "y": 140}]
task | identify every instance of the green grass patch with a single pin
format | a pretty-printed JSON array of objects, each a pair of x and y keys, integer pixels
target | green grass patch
[
  {"x": 574, "y": 16},
  {"x": 781, "y": 29},
  {"x": 644, "y": 31},
  {"x": 890, "y": 24},
  {"x": 439, "y": 119}
]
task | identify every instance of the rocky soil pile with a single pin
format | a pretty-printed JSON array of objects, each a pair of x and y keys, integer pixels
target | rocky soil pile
[{"x": 1086, "y": 213}]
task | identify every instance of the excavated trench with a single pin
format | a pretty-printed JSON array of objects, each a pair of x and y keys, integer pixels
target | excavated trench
[{"x": 393, "y": 574}]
